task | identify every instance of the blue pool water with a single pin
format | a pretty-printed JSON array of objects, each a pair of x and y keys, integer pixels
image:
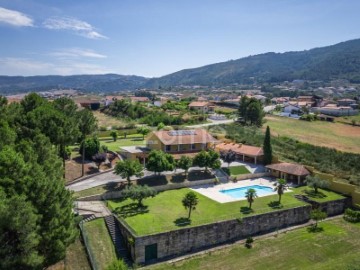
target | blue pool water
[{"x": 239, "y": 193}]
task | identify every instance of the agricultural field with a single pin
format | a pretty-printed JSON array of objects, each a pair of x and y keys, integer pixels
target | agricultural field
[
  {"x": 154, "y": 217},
  {"x": 333, "y": 135},
  {"x": 333, "y": 248},
  {"x": 107, "y": 121}
]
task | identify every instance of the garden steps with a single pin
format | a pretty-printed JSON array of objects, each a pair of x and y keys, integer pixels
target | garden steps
[{"x": 117, "y": 239}]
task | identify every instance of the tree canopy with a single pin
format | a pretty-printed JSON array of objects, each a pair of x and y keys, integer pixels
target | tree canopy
[
  {"x": 158, "y": 162},
  {"x": 37, "y": 222}
]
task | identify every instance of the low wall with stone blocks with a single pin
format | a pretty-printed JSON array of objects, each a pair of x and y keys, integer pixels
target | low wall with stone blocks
[{"x": 187, "y": 240}]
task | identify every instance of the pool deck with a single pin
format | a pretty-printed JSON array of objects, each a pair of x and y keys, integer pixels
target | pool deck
[{"x": 214, "y": 191}]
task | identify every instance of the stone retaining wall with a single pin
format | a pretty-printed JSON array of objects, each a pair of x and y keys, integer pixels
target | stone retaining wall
[{"x": 182, "y": 241}]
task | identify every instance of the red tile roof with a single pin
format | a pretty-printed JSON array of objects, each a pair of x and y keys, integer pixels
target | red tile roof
[
  {"x": 241, "y": 149},
  {"x": 176, "y": 137},
  {"x": 290, "y": 168}
]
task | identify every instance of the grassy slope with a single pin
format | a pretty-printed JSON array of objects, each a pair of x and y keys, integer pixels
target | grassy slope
[
  {"x": 162, "y": 212},
  {"x": 100, "y": 242},
  {"x": 337, "y": 247},
  {"x": 76, "y": 258},
  {"x": 333, "y": 135}
]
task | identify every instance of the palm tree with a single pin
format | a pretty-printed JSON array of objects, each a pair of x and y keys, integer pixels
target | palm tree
[
  {"x": 281, "y": 186},
  {"x": 250, "y": 195},
  {"x": 190, "y": 201}
]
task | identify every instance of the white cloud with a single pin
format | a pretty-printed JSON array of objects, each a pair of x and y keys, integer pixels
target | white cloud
[
  {"x": 77, "y": 53},
  {"x": 14, "y": 18},
  {"x": 27, "y": 67},
  {"x": 72, "y": 24}
]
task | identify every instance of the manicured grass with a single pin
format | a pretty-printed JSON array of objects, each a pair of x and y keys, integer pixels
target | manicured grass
[
  {"x": 100, "y": 242},
  {"x": 336, "y": 247},
  {"x": 321, "y": 196},
  {"x": 165, "y": 211},
  {"x": 334, "y": 135},
  {"x": 131, "y": 140},
  {"x": 236, "y": 170}
]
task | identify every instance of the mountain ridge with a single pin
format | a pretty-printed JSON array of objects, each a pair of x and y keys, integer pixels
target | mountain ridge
[{"x": 339, "y": 61}]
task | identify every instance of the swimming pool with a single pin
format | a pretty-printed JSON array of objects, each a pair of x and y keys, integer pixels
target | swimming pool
[{"x": 239, "y": 193}]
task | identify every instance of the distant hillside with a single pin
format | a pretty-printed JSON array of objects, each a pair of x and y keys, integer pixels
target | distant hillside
[
  {"x": 96, "y": 83},
  {"x": 340, "y": 61}
]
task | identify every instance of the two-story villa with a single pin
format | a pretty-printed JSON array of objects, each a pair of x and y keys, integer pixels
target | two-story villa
[{"x": 175, "y": 142}]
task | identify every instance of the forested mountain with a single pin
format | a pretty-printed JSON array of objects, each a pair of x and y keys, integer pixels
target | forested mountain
[
  {"x": 96, "y": 83},
  {"x": 340, "y": 61}
]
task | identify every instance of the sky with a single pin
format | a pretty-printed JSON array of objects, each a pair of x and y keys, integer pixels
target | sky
[{"x": 152, "y": 38}]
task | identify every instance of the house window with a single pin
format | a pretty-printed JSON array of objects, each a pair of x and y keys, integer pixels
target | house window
[
  {"x": 168, "y": 148},
  {"x": 193, "y": 147}
]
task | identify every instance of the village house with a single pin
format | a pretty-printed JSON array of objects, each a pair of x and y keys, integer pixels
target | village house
[
  {"x": 295, "y": 173},
  {"x": 202, "y": 106}
]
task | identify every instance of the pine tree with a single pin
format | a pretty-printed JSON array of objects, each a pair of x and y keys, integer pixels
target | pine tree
[{"x": 267, "y": 147}]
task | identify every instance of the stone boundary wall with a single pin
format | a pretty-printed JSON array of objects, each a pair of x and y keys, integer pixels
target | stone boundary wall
[
  {"x": 333, "y": 208},
  {"x": 179, "y": 242},
  {"x": 117, "y": 194}
]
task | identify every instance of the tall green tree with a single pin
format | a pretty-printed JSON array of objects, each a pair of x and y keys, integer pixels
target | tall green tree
[
  {"x": 128, "y": 168},
  {"x": 207, "y": 159},
  {"x": 190, "y": 201},
  {"x": 185, "y": 163},
  {"x": 87, "y": 125},
  {"x": 242, "y": 111},
  {"x": 19, "y": 236},
  {"x": 158, "y": 162},
  {"x": 267, "y": 149},
  {"x": 280, "y": 187}
]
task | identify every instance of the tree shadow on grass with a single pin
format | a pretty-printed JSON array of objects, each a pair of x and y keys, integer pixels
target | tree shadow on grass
[
  {"x": 153, "y": 180},
  {"x": 196, "y": 175},
  {"x": 313, "y": 229},
  {"x": 312, "y": 194},
  {"x": 178, "y": 178},
  {"x": 246, "y": 210},
  {"x": 115, "y": 186},
  {"x": 137, "y": 139},
  {"x": 180, "y": 222},
  {"x": 131, "y": 210},
  {"x": 275, "y": 205}
]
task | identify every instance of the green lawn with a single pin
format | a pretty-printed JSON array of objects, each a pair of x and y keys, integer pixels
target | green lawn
[
  {"x": 336, "y": 247},
  {"x": 236, "y": 170},
  {"x": 165, "y": 211},
  {"x": 131, "y": 140},
  {"x": 100, "y": 242}
]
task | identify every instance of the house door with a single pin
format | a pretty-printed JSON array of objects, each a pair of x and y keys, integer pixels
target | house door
[{"x": 150, "y": 252}]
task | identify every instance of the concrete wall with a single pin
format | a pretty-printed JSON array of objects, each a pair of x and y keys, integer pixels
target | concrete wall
[{"x": 178, "y": 242}]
